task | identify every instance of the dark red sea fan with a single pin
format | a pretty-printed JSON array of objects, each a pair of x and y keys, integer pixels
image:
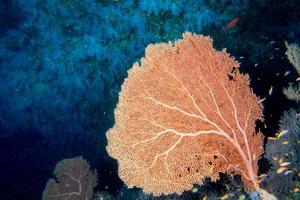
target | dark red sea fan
[
  {"x": 185, "y": 113},
  {"x": 74, "y": 181}
]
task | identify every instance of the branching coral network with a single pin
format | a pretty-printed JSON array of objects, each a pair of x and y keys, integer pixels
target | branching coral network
[
  {"x": 185, "y": 113},
  {"x": 74, "y": 180}
]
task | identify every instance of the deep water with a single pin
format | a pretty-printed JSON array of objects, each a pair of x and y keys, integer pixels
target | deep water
[{"x": 62, "y": 64}]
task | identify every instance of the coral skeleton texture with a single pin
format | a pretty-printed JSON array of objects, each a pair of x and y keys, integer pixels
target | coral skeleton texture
[{"x": 185, "y": 113}]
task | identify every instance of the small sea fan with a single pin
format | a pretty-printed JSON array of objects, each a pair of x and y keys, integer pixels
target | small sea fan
[
  {"x": 293, "y": 92},
  {"x": 293, "y": 54}
]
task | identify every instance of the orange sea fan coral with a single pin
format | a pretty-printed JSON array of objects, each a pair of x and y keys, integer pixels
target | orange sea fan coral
[{"x": 185, "y": 113}]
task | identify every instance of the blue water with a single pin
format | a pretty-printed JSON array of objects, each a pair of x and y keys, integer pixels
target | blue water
[{"x": 62, "y": 63}]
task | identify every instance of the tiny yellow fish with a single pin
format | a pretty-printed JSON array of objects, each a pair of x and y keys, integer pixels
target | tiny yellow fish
[
  {"x": 226, "y": 196},
  {"x": 280, "y": 170},
  {"x": 204, "y": 198},
  {"x": 284, "y": 164},
  {"x": 262, "y": 176},
  {"x": 281, "y": 133},
  {"x": 271, "y": 90},
  {"x": 242, "y": 197},
  {"x": 274, "y": 158},
  {"x": 296, "y": 190},
  {"x": 280, "y": 161},
  {"x": 287, "y": 73},
  {"x": 272, "y": 138},
  {"x": 287, "y": 172},
  {"x": 285, "y": 142}
]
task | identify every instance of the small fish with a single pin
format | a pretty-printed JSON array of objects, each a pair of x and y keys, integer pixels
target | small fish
[
  {"x": 298, "y": 79},
  {"x": 296, "y": 190},
  {"x": 204, "y": 198},
  {"x": 272, "y": 42},
  {"x": 242, "y": 57},
  {"x": 276, "y": 49},
  {"x": 281, "y": 133},
  {"x": 262, "y": 100},
  {"x": 226, "y": 196},
  {"x": 194, "y": 190},
  {"x": 256, "y": 64},
  {"x": 277, "y": 74},
  {"x": 284, "y": 164},
  {"x": 285, "y": 142},
  {"x": 262, "y": 176},
  {"x": 287, "y": 73},
  {"x": 232, "y": 23},
  {"x": 287, "y": 172},
  {"x": 272, "y": 138},
  {"x": 274, "y": 158},
  {"x": 280, "y": 170},
  {"x": 280, "y": 161},
  {"x": 299, "y": 174},
  {"x": 272, "y": 57},
  {"x": 242, "y": 197},
  {"x": 270, "y": 90}
]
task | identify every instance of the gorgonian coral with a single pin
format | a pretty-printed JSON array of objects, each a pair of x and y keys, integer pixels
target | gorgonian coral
[{"x": 185, "y": 113}]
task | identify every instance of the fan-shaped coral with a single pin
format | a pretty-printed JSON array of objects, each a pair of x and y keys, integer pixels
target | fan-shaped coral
[{"x": 184, "y": 114}]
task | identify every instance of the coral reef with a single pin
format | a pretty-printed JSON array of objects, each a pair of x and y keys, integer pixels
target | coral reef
[
  {"x": 62, "y": 63},
  {"x": 63, "y": 66},
  {"x": 285, "y": 149}
]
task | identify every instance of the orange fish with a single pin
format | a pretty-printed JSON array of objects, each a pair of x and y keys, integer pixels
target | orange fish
[{"x": 232, "y": 23}]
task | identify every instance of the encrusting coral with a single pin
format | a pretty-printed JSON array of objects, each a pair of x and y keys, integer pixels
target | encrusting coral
[{"x": 185, "y": 113}]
